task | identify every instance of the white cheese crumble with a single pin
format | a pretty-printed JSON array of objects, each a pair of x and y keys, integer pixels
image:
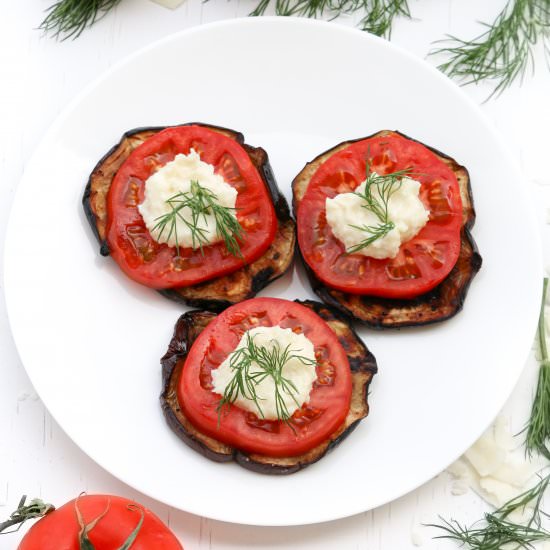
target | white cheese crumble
[
  {"x": 301, "y": 374},
  {"x": 172, "y": 4},
  {"x": 405, "y": 210},
  {"x": 173, "y": 178},
  {"x": 495, "y": 468}
]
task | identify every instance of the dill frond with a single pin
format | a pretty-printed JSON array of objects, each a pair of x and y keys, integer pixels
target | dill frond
[
  {"x": 504, "y": 51},
  {"x": 69, "y": 18},
  {"x": 200, "y": 201},
  {"x": 538, "y": 427},
  {"x": 378, "y": 19},
  {"x": 496, "y": 530},
  {"x": 386, "y": 185},
  {"x": 268, "y": 362}
]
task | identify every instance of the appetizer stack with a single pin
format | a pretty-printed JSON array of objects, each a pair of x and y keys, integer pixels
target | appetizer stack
[
  {"x": 409, "y": 256},
  {"x": 383, "y": 226}
]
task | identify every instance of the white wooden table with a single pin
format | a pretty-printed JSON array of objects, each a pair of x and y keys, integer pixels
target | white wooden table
[{"x": 38, "y": 78}]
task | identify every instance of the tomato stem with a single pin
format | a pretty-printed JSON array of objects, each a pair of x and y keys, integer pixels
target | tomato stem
[
  {"x": 85, "y": 528},
  {"x": 128, "y": 542},
  {"x": 35, "y": 509}
]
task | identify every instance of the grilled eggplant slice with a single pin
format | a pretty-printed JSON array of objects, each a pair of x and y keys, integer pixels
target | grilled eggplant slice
[
  {"x": 191, "y": 324},
  {"x": 443, "y": 301},
  {"x": 221, "y": 292}
]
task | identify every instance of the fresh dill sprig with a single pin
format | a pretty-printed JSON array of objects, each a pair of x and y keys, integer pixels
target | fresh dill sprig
[
  {"x": 501, "y": 53},
  {"x": 378, "y": 18},
  {"x": 253, "y": 363},
  {"x": 375, "y": 232},
  {"x": 538, "y": 427},
  {"x": 497, "y": 530},
  {"x": 377, "y": 203},
  {"x": 200, "y": 201},
  {"x": 504, "y": 50},
  {"x": 68, "y": 18}
]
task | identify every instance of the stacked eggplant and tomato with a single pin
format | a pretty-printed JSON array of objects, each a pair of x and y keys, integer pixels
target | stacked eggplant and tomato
[{"x": 425, "y": 281}]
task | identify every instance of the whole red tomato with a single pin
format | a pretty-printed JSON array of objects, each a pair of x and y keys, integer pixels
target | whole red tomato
[{"x": 100, "y": 522}]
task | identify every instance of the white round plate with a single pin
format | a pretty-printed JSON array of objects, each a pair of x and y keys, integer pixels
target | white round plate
[{"x": 91, "y": 339}]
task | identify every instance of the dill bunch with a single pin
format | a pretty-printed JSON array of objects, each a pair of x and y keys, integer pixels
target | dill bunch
[
  {"x": 69, "y": 18},
  {"x": 378, "y": 18},
  {"x": 497, "y": 530},
  {"x": 538, "y": 427},
  {"x": 504, "y": 51}
]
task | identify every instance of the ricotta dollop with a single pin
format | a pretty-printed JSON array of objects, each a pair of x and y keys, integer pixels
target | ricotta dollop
[
  {"x": 173, "y": 178},
  {"x": 405, "y": 210},
  {"x": 301, "y": 374}
]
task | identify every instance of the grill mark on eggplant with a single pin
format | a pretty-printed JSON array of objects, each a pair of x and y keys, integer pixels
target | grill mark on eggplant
[
  {"x": 191, "y": 324},
  {"x": 442, "y": 302},
  {"x": 224, "y": 291},
  {"x": 245, "y": 282}
]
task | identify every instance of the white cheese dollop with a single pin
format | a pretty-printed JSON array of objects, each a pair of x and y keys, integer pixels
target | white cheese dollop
[
  {"x": 405, "y": 210},
  {"x": 300, "y": 374},
  {"x": 173, "y": 178}
]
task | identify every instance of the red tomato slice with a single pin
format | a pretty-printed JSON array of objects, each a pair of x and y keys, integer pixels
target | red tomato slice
[
  {"x": 329, "y": 399},
  {"x": 424, "y": 261},
  {"x": 59, "y": 529},
  {"x": 158, "y": 265}
]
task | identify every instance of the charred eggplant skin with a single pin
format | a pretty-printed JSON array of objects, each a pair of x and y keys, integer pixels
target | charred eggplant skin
[
  {"x": 213, "y": 294},
  {"x": 442, "y": 302},
  {"x": 190, "y": 325},
  {"x": 86, "y": 197},
  {"x": 439, "y": 304},
  {"x": 259, "y": 281}
]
